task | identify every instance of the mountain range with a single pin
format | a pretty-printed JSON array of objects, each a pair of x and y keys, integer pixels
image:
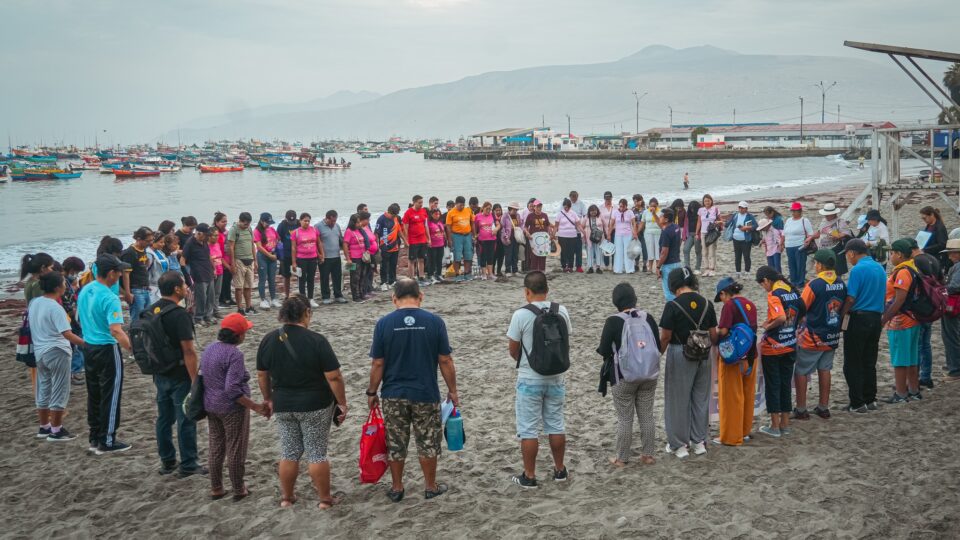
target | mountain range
[{"x": 702, "y": 85}]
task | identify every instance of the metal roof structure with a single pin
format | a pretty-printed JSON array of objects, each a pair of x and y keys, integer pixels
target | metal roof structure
[
  {"x": 775, "y": 128},
  {"x": 506, "y": 132},
  {"x": 926, "y": 54}
]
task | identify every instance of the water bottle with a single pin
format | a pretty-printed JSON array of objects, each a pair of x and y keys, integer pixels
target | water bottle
[{"x": 454, "y": 432}]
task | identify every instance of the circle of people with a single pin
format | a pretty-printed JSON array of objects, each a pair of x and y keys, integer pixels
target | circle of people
[{"x": 73, "y": 329}]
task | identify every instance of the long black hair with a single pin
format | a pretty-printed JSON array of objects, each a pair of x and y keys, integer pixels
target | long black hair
[{"x": 34, "y": 263}]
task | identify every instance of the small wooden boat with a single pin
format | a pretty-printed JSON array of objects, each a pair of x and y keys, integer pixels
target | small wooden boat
[
  {"x": 369, "y": 154},
  {"x": 337, "y": 167},
  {"x": 220, "y": 167},
  {"x": 42, "y": 159},
  {"x": 286, "y": 166},
  {"x": 66, "y": 175},
  {"x": 134, "y": 173}
]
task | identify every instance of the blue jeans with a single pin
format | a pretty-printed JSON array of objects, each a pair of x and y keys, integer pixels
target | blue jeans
[
  {"x": 797, "y": 261},
  {"x": 76, "y": 363},
  {"x": 141, "y": 299},
  {"x": 926, "y": 352},
  {"x": 170, "y": 395},
  {"x": 267, "y": 272},
  {"x": 539, "y": 405},
  {"x": 773, "y": 261},
  {"x": 665, "y": 271}
]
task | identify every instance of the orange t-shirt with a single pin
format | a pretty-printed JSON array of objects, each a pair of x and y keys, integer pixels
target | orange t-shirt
[{"x": 901, "y": 279}]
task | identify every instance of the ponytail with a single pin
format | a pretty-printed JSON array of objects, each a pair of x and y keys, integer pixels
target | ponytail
[{"x": 33, "y": 264}]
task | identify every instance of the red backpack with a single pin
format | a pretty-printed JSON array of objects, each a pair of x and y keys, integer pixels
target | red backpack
[{"x": 927, "y": 298}]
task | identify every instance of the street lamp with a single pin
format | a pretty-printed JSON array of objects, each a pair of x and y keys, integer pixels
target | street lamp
[
  {"x": 671, "y": 115},
  {"x": 638, "y": 97},
  {"x": 823, "y": 99}
]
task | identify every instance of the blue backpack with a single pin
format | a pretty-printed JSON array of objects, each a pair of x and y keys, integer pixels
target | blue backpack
[{"x": 739, "y": 341}]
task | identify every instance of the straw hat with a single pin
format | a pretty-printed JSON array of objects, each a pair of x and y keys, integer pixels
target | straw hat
[
  {"x": 953, "y": 246},
  {"x": 763, "y": 223},
  {"x": 513, "y": 204},
  {"x": 829, "y": 209}
]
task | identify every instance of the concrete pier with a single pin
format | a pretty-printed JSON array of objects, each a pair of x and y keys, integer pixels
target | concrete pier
[{"x": 485, "y": 154}]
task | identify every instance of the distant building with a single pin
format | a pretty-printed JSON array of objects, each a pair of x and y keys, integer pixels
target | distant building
[{"x": 841, "y": 136}]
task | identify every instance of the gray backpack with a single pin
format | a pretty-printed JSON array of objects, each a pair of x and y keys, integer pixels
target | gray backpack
[{"x": 638, "y": 358}]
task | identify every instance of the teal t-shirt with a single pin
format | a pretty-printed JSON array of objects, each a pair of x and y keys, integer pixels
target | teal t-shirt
[
  {"x": 115, "y": 287},
  {"x": 97, "y": 308}
]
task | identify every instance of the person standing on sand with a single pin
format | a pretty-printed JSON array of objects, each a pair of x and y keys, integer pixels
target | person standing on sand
[
  {"x": 539, "y": 398},
  {"x": 623, "y": 229},
  {"x": 34, "y": 266},
  {"x": 415, "y": 233},
  {"x": 569, "y": 234},
  {"x": 301, "y": 384},
  {"x": 692, "y": 242},
  {"x": 580, "y": 208},
  {"x": 174, "y": 384},
  {"x": 595, "y": 232},
  {"x": 686, "y": 381},
  {"x": 862, "y": 311},
  {"x": 101, "y": 318},
  {"x": 737, "y": 382},
  {"x": 903, "y": 331},
  {"x": 389, "y": 234},
  {"x": 438, "y": 239},
  {"x": 287, "y": 226},
  {"x": 950, "y": 326},
  {"x": 196, "y": 257},
  {"x": 52, "y": 340},
  {"x": 137, "y": 277},
  {"x": 409, "y": 346},
  {"x": 306, "y": 250},
  {"x": 744, "y": 224},
  {"x": 668, "y": 254},
  {"x": 460, "y": 231},
  {"x": 331, "y": 265},
  {"x": 537, "y": 222},
  {"x": 220, "y": 224},
  {"x": 226, "y": 399},
  {"x": 628, "y": 397},
  {"x": 797, "y": 231},
  {"x": 708, "y": 220},
  {"x": 265, "y": 240},
  {"x": 241, "y": 252},
  {"x": 778, "y": 347},
  {"x": 819, "y": 335},
  {"x": 606, "y": 220},
  {"x": 485, "y": 227}
]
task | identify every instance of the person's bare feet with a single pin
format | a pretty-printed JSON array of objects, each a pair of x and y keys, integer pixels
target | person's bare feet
[
  {"x": 617, "y": 463},
  {"x": 326, "y": 504},
  {"x": 218, "y": 494},
  {"x": 287, "y": 503},
  {"x": 647, "y": 460}
]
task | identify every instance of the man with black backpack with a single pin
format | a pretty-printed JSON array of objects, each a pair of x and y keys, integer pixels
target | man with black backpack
[
  {"x": 539, "y": 340},
  {"x": 163, "y": 345},
  {"x": 903, "y": 330}
]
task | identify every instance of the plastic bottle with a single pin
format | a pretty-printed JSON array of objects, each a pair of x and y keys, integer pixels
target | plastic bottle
[{"x": 454, "y": 432}]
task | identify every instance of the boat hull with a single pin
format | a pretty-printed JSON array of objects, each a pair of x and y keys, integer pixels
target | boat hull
[
  {"x": 124, "y": 173},
  {"x": 66, "y": 176}
]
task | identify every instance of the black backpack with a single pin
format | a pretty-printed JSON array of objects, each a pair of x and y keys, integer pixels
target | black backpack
[
  {"x": 151, "y": 347},
  {"x": 551, "y": 341}
]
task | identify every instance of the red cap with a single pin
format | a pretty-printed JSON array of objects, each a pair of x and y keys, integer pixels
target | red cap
[
  {"x": 236, "y": 323},
  {"x": 796, "y": 206}
]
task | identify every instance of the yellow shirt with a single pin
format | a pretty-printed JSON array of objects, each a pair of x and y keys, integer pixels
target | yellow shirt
[{"x": 460, "y": 221}]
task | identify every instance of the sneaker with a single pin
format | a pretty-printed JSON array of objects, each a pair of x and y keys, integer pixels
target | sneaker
[
  {"x": 746, "y": 438},
  {"x": 773, "y": 432},
  {"x": 241, "y": 311},
  {"x": 168, "y": 467},
  {"x": 589, "y": 270},
  {"x": 431, "y": 493},
  {"x": 560, "y": 476},
  {"x": 43, "y": 433},
  {"x": 786, "y": 431},
  {"x": 800, "y": 415},
  {"x": 681, "y": 452},
  {"x": 114, "y": 448},
  {"x": 92, "y": 447},
  {"x": 185, "y": 473},
  {"x": 579, "y": 270},
  {"x": 696, "y": 272},
  {"x": 524, "y": 482},
  {"x": 61, "y": 435},
  {"x": 264, "y": 304},
  {"x": 914, "y": 396},
  {"x": 599, "y": 270},
  {"x": 699, "y": 448},
  {"x": 326, "y": 301},
  {"x": 384, "y": 287},
  {"x": 276, "y": 302},
  {"x": 77, "y": 379},
  {"x": 872, "y": 406},
  {"x": 927, "y": 383},
  {"x": 250, "y": 310},
  {"x": 861, "y": 409},
  {"x": 340, "y": 300},
  {"x": 313, "y": 303},
  {"x": 822, "y": 412},
  {"x": 895, "y": 398}
]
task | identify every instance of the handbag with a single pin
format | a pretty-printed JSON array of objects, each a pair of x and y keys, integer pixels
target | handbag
[
  {"x": 952, "y": 308},
  {"x": 193, "y": 403},
  {"x": 596, "y": 235},
  {"x": 713, "y": 234},
  {"x": 373, "y": 448}
]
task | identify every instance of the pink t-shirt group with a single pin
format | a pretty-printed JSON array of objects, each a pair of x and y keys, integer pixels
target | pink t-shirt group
[
  {"x": 623, "y": 222},
  {"x": 771, "y": 240},
  {"x": 565, "y": 221},
  {"x": 270, "y": 244},
  {"x": 356, "y": 244},
  {"x": 306, "y": 240},
  {"x": 437, "y": 234},
  {"x": 485, "y": 227},
  {"x": 216, "y": 257}
]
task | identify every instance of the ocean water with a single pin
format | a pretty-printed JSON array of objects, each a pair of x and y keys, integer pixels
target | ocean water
[{"x": 68, "y": 217}]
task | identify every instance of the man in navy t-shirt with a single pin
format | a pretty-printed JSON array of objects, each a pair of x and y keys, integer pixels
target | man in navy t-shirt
[
  {"x": 669, "y": 257},
  {"x": 409, "y": 345}
]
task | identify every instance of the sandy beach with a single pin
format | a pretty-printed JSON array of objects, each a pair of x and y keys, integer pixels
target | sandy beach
[{"x": 891, "y": 473}]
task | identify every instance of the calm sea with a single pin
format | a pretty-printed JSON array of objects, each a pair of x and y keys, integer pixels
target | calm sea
[{"x": 68, "y": 217}]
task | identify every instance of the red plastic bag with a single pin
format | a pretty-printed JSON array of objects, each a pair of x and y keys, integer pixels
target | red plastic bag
[{"x": 373, "y": 448}]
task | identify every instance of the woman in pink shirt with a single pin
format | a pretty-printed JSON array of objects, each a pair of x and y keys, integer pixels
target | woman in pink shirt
[
  {"x": 215, "y": 239},
  {"x": 594, "y": 233},
  {"x": 438, "y": 236},
  {"x": 772, "y": 243},
  {"x": 624, "y": 229},
  {"x": 486, "y": 228},
  {"x": 708, "y": 215},
  {"x": 305, "y": 245},
  {"x": 569, "y": 233},
  {"x": 357, "y": 244}
]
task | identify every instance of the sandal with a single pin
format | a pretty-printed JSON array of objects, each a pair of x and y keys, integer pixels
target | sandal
[
  {"x": 441, "y": 489},
  {"x": 326, "y": 504},
  {"x": 395, "y": 496}
]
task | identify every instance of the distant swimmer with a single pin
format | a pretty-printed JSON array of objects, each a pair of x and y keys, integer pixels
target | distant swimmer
[
  {"x": 861, "y": 160},
  {"x": 686, "y": 180}
]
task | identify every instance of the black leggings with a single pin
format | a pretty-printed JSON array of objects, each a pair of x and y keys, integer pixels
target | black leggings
[
  {"x": 308, "y": 270},
  {"x": 498, "y": 257},
  {"x": 487, "y": 253},
  {"x": 568, "y": 248},
  {"x": 435, "y": 262},
  {"x": 741, "y": 251}
]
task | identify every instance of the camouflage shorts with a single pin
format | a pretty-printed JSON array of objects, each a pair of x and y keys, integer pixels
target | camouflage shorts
[{"x": 399, "y": 415}]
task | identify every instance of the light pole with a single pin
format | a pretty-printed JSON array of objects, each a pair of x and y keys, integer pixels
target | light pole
[
  {"x": 823, "y": 99},
  {"x": 671, "y": 115},
  {"x": 638, "y": 97},
  {"x": 801, "y": 120}
]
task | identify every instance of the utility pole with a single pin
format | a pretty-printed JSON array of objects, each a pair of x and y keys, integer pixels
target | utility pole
[
  {"x": 671, "y": 115},
  {"x": 734, "y": 116},
  {"x": 823, "y": 99},
  {"x": 638, "y": 98},
  {"x": 838, "y": 113},
  {"x": 801, "y": 120},
  {"x": 568, "y": 127}
]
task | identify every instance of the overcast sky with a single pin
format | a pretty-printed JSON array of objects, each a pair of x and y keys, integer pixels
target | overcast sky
[{"x": 137, "y": 69}]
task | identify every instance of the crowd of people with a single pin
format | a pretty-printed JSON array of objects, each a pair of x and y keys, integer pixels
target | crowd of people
[{"x": 173, "y": 279}]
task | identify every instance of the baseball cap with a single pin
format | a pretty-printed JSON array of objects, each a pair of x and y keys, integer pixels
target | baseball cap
[
  {"x": 856, "y": 246},
  {"x": 901, "y": 246},
  {"x": 236, "y": 323},
  {"x": 202, "y": 228},
  {"x": 723, "y": 284},
  {"x": 108, "y": 262},
  {"x": 267, "y": 217},
  {"x": 913, "y": 243},
  {"x": 291, "y": 214},
  {"x": 796, "y": 206},
  {"x": 743, "y": 204},
  {"x": 607, "y": 195},
  {"x": 536, "y": 202},
  {"x": 825, "y": 256}
]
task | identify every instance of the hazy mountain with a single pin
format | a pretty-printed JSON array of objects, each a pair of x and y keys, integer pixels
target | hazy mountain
[{"x": 702, "y": 84}]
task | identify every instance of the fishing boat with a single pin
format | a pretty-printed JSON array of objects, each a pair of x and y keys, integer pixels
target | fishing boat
[
  {"x": 336, "y": 167},
  {"x": 220, "y": 167},
  {"x": 66, "y": 175},
  {"x": 42, "y": 159},
  {"x": 286, "y": 166},
  {"x": 134, "y": 173},
  {"x": 367, "y": 154}
]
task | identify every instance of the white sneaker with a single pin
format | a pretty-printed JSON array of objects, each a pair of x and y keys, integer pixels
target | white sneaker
[
  {"x": 696, "y": 272},
  {"x": 277, "y": 303},
  {"x": 313, "y": 303},
  {"x": 681, "y": 452},
  {"x": 384, "y": 287},
  {"x": 327, "y": 301},
  {"x": 264, "y": 304},
  {"x": 699, "y": 449}
]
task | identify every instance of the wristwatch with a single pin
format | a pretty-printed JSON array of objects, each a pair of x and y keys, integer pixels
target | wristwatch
[{"x": 371, "y": 394}]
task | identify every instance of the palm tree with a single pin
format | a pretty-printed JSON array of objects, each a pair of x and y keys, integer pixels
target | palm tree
[{"x": 951, "y": 79}]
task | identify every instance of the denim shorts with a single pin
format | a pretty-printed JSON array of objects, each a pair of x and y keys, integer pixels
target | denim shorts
[
  {"x": 462, "y": 247},
  {"x": 539, "y": 405}
]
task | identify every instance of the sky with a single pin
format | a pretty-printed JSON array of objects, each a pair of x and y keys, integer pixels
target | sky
[{"x": 126, "y": 71}]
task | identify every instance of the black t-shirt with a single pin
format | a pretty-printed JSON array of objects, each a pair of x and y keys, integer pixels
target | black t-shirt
[
  {"x": 283, "y": 231},
  {"x": 183, "y": 237},
  {"x": 613, "y": 331},
  {"x": 138, "y": 272},
  {"x": 178, "y": 325},
  {"x": 674, "y": 319},
  {"x": 670, "y": 239},
  {"x": 197, "y": 255},
  {"x": 298, "y": 383}
]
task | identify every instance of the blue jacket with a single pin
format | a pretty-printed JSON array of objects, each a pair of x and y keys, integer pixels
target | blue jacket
[{"x": 730, "y": 225}]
